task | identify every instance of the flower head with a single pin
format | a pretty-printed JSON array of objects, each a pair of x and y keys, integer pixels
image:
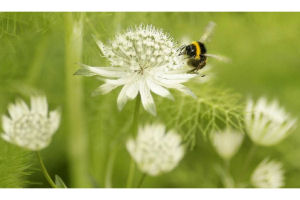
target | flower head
[
  {"x": 268, "y": 174},
  {"x": 31, "y": 128},
  {"x": 267, "y": 123},
  {"x": 227, "y": 142},
  {"x": 143, "y": 59},
  {"x": 154, "y": 150}
]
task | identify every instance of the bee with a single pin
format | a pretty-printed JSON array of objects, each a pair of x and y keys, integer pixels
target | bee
[{"x": 196, "y": 52}]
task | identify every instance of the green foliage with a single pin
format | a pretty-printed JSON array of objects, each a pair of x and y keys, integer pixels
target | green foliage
[
  {"x": 214, "y": 109},
  {"x": 14, "y": 166},
  {"x": 59, "y": 182}
]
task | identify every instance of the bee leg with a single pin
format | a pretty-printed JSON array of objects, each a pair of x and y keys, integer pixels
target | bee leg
[
  {"x": 196, "y": 69},
  {"x": 193, "y": 71},
  {"x": 201, "y": 65}
]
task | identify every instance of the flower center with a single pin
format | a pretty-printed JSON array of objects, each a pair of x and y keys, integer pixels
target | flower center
[
  {"x": 143, "y": 48},
  {"x": 32, "y": 126}
]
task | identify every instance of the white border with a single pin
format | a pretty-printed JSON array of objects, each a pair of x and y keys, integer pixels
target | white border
[
  {"x": 150, "y": 5},
  {"x": 149, "y": 194}
]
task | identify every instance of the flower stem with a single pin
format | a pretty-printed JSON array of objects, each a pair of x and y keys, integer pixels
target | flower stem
[
  {"x": 131, "y": 174},
  {"x": 228, "y": 181},
  {"x": 77, "y": 147},
  {"x": 249, "y": 157},
  {"x": 141, "y": 180},
  {"x": 45, "y": 172},
  {"x": 134, "y": 128},
  {"x": 135, "y": 115},
  {"x": 110, "y": 164}
]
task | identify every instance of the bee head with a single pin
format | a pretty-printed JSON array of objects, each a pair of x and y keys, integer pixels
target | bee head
[{"x": 190, "y": 50}]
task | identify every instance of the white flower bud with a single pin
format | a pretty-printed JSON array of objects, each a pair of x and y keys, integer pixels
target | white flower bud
[{"x": 227, "y": 142}]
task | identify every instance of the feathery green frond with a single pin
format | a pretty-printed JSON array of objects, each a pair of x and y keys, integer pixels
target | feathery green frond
[{"x": 15, "y": 165}]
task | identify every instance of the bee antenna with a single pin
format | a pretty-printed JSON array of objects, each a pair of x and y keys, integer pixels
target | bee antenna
[{"x": 180, "y": 49}]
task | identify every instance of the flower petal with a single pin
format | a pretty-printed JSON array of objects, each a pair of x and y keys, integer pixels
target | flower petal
[
  {"x": 182, "y": 76},
  {"x": 146, "y": 97},
  {"x": 22, "y": 105},
  {"x": 110, "y": 72},
  {"x": 14, "y": 111},
  {"x": 170, "y": 78},
  {"x": 6, "y": 138},
  {"x": 54, "y": 118},
  {"x": 159, "y": 90},
  {"x": 132, "y": 90},
  {"x": 18, "y": 109},
  {"x": 176, "y": 86},
  {"x": 130, "y": 146},
  {"x": 6, "y": 123},
  {"x": 102, "y": 47},
  {"x": 39, "y": 104},
  {"x": 104, "y": 88},
  {"x": 184, "y": 90},
  {"x": 122, "y": 98}
]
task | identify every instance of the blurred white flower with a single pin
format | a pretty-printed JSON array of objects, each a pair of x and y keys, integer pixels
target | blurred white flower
[
  {"x": 154, "y": 150},
  {"x": 143, "y": 59},
  {"x": 268, "y": 174},
  {"x": 31, "y": 128},
  {"x": 227, "y": 142},
  {"x": 267, "y": 124}
]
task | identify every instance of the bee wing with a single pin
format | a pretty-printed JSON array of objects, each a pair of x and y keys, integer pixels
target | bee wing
[
  {"x": 208, "y": 31},
  {"x": 219, "y": 57}
]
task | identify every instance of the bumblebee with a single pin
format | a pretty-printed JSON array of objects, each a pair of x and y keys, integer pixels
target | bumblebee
[{"x": 196, "y": 51}]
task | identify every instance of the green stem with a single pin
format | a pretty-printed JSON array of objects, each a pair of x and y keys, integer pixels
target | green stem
[
  {"x": 135, "y": 115},
  {"x": 110, "y": 164},
  {"x": 36, "y": 65},
  {"x": 131, "y": 174},
  {"x": 228, "y": 181},
  {"x": 77, "y": 137},
  {"x": 134, "y": 128},
  {"x": 250, "y": 155},
  {"x": 141, "y": 180},
  {"x": 45, "y": 172}
]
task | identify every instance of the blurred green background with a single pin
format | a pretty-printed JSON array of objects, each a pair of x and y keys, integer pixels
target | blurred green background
[{"x": 36, "y": 55}]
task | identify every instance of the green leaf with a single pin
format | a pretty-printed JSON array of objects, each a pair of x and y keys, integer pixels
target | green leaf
[
  {"x": 214, "y": 109},
  {"x": 59, "y": 182}
]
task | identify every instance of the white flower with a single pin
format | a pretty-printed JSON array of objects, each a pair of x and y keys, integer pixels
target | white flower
[
  {"x": 268, "y": 174},
  {"x": 31, "y": 128},
  {"x": 267, "y": 124},
  {"x": 227, "y": 142},
  {"x": 154, "y": 150},
  {"x": 143, "y": 59}
]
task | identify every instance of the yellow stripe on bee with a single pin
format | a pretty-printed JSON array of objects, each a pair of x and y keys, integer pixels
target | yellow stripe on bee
[{"x": 198, "y": 50}]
